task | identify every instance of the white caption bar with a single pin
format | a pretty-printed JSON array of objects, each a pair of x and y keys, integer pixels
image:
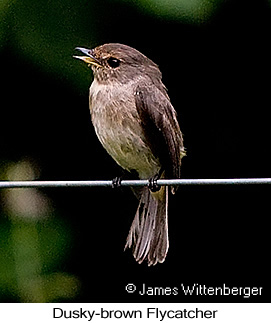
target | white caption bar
[{"x": 152, "y": 312}]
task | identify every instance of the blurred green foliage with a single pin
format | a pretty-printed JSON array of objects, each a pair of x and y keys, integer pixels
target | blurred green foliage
[
  {"x": 46, "y": 32},
  {"x": 30, "y": 253},
  {"x": 34, "y": 242},
  {"x": 188, "y": 11}
]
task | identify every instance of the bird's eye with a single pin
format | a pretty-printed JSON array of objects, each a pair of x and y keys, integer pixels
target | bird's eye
[{"x": 113, "y": 62}]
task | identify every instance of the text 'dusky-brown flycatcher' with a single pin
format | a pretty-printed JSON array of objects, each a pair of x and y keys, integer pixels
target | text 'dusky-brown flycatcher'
[{"x": 137, "y": 125}]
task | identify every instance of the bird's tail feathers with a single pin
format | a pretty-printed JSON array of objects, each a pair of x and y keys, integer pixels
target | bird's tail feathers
[{"x": 148, "y": 235}]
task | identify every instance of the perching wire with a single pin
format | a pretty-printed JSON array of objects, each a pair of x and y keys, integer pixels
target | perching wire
[{"x": 108, "y": 183}]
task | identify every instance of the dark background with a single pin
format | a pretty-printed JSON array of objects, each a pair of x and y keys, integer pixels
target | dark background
[{"x": 217, "y": 72}]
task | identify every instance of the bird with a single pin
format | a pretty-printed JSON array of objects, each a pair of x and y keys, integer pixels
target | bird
[{"x": 137, "y": 125}]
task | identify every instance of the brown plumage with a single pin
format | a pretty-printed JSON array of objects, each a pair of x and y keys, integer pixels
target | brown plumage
[{"x": 137, "y": 125}]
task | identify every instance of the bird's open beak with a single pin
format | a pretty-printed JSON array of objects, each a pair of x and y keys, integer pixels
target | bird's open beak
[{"x": 89, "y": 58}]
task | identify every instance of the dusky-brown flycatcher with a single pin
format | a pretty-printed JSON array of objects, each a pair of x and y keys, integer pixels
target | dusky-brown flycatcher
[{"x": 137, "y": 125}]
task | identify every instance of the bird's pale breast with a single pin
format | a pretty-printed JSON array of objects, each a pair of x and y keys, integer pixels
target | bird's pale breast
[{"x": 117, "y": 125}]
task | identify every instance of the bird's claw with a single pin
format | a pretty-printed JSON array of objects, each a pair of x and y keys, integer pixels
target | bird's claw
[
  {"x": 153, "y": 186},
  {"x": 116, "y": 182}
]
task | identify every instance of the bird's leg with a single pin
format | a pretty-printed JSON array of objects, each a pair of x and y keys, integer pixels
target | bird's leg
[{"x": 153, "y": 186}]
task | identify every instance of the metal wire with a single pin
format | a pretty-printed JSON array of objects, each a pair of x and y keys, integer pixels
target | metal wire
[{"x": 171, "y": 182}]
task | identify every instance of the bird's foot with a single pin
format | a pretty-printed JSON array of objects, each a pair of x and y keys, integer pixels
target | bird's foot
[
  {"x": 153, "y": 186},
  {"x": 116, "y": 182}
]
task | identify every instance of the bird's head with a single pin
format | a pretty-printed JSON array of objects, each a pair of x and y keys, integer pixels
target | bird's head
[{"x": 117, "y": 62}]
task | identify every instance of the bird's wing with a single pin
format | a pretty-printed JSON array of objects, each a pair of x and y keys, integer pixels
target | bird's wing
[{"x": 161, "y": 128}]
